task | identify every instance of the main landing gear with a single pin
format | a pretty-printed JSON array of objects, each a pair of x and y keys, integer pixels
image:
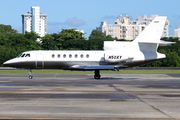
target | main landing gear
[
  {"x": 30, "y": 74},
  {"x": 97, "y": 74}
]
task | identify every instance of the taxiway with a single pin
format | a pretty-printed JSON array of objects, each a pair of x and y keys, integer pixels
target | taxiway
[{"x": 139, "y": 96}]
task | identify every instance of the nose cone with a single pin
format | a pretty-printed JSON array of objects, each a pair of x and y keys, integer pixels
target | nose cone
[{"x": 8, "y": 63}]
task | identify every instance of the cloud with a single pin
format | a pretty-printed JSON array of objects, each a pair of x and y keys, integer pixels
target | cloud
[
  {"x": 55, "y": 23},
  {"x": 74, "y": 22},
  {"x": 107, "y": 17},
  {"x": 176, "y": 16}
]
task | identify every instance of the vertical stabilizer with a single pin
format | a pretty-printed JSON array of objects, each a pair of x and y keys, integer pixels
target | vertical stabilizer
[{"x": 153, "y": 32}]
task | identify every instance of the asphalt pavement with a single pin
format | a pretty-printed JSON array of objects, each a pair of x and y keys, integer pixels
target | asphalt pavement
[{"x": 123, "y": 96}]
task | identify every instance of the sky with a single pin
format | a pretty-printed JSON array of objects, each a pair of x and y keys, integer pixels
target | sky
[{"x": 87, "y": 14}]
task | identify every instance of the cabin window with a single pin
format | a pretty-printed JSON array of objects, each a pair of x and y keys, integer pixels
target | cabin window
[
  {"x": 81, "y": 56},
  {"x": 58, "y": 55},
  {"x": 27, "y": 55},
  {"x": 23, "y": 55},
  {"x": 70, "y": 56},
  {"x": 75, "y": 55},
  {"x": 53, "y": 55},
  {"x": 87, "y": 56},
  {"x": 64, "y": 55}
]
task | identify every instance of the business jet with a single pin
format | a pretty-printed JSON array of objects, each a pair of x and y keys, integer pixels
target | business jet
[{"x": 116, "y": 54}]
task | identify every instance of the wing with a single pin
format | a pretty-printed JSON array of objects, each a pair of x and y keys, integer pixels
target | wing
[{"x": 101, "y": 67}]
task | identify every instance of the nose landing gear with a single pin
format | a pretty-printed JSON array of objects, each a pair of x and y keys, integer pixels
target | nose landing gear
[{"x": 30, "y": 74}]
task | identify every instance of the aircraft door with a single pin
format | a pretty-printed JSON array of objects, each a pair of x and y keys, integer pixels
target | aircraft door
[{"x": 39, "y": 60}]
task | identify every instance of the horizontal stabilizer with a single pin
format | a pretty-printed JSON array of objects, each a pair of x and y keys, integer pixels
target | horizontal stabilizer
[
  {"x": 161, "y": 42},
  {"x": 165, "y": 43}
]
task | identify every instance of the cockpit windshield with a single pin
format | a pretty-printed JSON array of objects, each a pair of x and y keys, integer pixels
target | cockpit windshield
[
  {"x": 27, "y": 55},
  {"x": 19, "y": 55},
  {"x": 23, "y": 55}
]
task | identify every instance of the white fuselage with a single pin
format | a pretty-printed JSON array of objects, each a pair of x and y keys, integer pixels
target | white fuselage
[{"x": 127, "y": 56}]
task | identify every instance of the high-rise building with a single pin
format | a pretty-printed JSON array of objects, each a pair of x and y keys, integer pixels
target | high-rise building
[
  {"x": 35, "y": 21},
  {"x": 177, "y": 31},
  {"x": 124, "y": 28}
]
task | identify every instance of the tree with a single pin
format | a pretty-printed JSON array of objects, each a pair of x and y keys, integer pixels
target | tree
[
  {"x": 30, "y": 41},
  {"x": 75, "y": 44},
  {"x": 48, "y": 42},
  {"x": 109, "y": 37},
  {"x": 96, "y": 35},
  {"x": 57, "y": 41},
  {"x": 7, "y": 29},
  {"x": 96, "y": 44},
  {"x": 67, "y": 34},
  {"x": 3, "y": 39}
]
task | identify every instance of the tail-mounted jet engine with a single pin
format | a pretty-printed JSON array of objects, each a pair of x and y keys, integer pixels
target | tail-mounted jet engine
[{"x": 114, "y": 58}]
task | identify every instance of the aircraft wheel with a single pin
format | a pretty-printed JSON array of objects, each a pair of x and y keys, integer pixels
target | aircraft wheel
[
  {"x": 30, "y": 77},
  {"x": 97, "y": 76}
]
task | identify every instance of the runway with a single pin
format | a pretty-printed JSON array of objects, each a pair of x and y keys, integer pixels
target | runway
[{"x": 118, "y": 96}]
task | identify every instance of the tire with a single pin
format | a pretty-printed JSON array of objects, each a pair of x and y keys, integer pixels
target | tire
[
  {"x": 97, "y": 77},
  {"x": 30, "y": 77}
]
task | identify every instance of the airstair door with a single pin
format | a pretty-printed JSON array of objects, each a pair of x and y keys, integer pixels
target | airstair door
[{"x": 39, "y": 60}]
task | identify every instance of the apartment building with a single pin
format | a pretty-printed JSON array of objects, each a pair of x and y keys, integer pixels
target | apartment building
[
  {"x": 124, "y": 28},
  {"x": 35, "y": 21},
  {"x": 177, "y": 31}
]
